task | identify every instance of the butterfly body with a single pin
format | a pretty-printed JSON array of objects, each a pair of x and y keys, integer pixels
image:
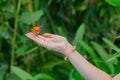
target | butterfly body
[{"x": 36, "y": 29}]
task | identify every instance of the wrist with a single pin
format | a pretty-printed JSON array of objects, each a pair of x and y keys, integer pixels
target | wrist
[{"x": 69, "y": 50}]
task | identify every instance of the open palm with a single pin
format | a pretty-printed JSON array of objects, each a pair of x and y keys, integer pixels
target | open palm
[{"x": 50, "y": 41}]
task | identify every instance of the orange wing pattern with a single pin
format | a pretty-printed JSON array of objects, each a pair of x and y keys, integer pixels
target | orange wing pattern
[{"x": 36, "y": 29}]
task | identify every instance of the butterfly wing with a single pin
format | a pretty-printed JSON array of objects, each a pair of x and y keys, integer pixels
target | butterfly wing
[{"x": 36, "y": 30}]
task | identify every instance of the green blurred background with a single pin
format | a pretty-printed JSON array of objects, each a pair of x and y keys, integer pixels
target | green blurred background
[{"x": 93, "y": 26}]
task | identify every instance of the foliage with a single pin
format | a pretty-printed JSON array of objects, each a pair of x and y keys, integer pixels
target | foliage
[
  {"x": 114, "y": 2},
  {"x": 91, "y": 25}
]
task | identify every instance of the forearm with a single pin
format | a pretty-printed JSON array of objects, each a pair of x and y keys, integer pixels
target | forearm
[
  {"x": 87, "y": 70},
  {"x": 117, "y": 77}
]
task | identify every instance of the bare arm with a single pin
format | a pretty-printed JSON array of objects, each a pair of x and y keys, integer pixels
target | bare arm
[
  {"x": 87, "y": 70},
  {"x": 60, "y": 44},
  {"x": 117, "y": 77}
]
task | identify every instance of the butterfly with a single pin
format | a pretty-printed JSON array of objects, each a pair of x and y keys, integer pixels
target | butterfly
[{"x": 36, "y": 29}]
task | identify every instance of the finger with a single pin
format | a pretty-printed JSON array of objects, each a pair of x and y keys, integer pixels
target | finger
[
  {"x": 33, "y": 37},
  {"x": 38, "y": 39},
  {"x": 30, "y": 35},
  {"x": 48, "y": 35}
]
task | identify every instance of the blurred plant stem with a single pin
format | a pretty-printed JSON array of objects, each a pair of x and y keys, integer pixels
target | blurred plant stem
[
  {"x": 0, "y": 43},
  {"x": 15, "y": 33},
  {"x": 30, "y": 7},
  {"x": 28, "y": 62}
]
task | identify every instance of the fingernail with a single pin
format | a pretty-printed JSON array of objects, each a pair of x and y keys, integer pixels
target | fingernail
[{"x": 27, "y": 34}]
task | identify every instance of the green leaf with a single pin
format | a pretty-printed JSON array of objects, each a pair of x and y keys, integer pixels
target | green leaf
[
  {"x": 100, "y": 50},
  {"x": 114, "y": 2},
  {"x": 98, "y": 62},
  {"x": 12, "y": 76},
  {"x": 79, "y": 36},
  {"x": 21, "y": 53},
  {"x": 61, "y": 31},
  {"x": 74, "y": 75},
  {"x": 52, "y": 64},
  {"x": 114, "y": 57},
  {"x": 7, "y": 7},
  {"x": 103, "y": 54},
  {"x": 3, "y": 69},
  {"x": 109, "y": 43},
  {"x": 117, "y": 37},
  {"x": 21, "y": 73},
  {"x": 29, "y": 18},
  {"x": 21, "y": 50},
  {"x": 43, "y": 76},
  {"x": 89, "y": 49}
]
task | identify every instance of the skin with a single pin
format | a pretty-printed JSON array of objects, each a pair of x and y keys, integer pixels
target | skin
[{"x": 60, "y": 44}]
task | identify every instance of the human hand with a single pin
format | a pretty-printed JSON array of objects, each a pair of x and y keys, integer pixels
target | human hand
[{"x": 51, "y": 42}]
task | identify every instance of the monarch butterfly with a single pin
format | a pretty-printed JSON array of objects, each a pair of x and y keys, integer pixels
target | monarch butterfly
[{"x": 36, "y": 29}]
